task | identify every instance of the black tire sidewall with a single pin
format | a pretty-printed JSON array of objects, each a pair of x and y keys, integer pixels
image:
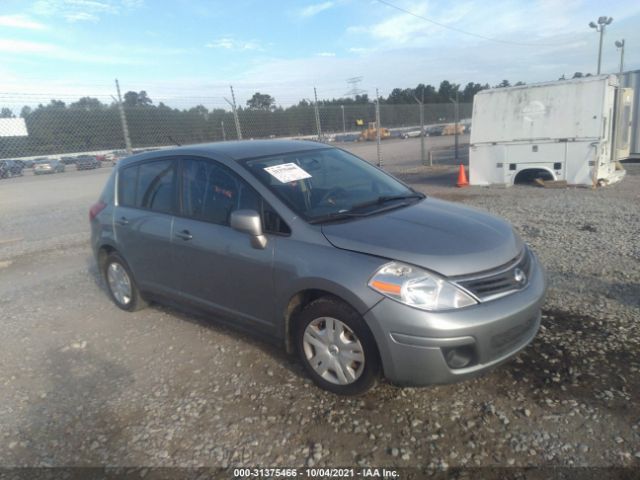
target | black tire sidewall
[
  {"x": 330, "y": 307},
  {"x": 135, "y": 294}
]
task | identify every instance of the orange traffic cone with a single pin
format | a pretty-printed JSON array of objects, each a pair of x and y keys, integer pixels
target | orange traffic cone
[{"x": 462, "y": 177}]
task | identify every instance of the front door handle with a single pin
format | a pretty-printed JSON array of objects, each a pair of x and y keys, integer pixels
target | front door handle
[
  {"x": 123, "y": 221},
  {"x": 184, "y": 235}
]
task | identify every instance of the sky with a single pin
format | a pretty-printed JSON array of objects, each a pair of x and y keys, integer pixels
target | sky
[{"x": 185, "y": 52}]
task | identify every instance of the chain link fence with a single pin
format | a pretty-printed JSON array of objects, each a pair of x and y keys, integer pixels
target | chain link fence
[{"x": 97, "y": 125}]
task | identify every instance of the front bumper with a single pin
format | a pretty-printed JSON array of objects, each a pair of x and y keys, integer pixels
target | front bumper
[{"x": 412, "y": 342}]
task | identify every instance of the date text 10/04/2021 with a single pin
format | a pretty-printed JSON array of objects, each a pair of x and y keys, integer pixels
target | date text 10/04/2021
[{"x": 315, "y": 473}]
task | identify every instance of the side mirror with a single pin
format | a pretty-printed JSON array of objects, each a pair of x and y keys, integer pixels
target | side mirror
[{"x": 248, "y": 221}]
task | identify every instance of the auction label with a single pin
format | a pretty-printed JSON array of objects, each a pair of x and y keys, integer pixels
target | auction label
[{"x": 287, "y": 172}]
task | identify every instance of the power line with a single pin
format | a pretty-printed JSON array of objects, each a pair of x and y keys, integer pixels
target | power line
[{"x": 464, "y": 32}]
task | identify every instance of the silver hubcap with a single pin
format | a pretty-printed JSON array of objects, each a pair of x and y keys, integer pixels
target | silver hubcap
[
  {"x": 333, "y": 350},
  {"x": 119, "y": 283}
]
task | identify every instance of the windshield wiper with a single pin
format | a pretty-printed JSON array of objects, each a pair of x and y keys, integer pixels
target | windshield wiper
[
  {"x": 381, "y": 200},
  {"x": 384, "y": 199},
  {"x": 330, "y": 217}
]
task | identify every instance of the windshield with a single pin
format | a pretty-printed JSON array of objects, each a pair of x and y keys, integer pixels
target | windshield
[{"x": 326, "y": 184}]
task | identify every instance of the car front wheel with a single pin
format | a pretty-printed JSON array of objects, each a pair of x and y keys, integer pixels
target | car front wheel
[{"x": 336, "y": 347}]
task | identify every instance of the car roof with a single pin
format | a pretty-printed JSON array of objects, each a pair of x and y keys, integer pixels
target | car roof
[{"x": 232, "y": 150}]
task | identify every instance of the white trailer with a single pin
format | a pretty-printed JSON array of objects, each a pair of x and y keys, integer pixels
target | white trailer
[{"x": 574, "y": 130}]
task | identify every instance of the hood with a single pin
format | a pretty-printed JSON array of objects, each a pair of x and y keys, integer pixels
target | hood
[{"x": 444, "y": 237}]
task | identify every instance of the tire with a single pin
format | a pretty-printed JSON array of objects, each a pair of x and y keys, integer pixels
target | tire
[
  {"x": 338, "y": 369},
  {"x": 117, "y": 275}
]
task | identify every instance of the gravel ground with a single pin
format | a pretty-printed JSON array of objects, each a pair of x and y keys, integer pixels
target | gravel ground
[{"x": 86, "y": 384}]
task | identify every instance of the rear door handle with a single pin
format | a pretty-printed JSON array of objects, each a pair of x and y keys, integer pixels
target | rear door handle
[
  {"x": 184, "y": 235},
  {"x": 123, "y": 221}
]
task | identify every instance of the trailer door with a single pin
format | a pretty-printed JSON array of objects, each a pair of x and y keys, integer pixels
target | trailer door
[{"x": 623, "y": 133}]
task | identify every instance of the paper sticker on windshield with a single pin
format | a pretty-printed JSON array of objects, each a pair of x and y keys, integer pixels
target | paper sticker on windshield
[{"x": 287, "y": 172}]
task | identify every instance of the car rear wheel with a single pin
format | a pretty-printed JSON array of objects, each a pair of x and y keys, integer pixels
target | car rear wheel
[
  {"x": 121, "y": 285},
  {"x": 336, "y": 347}
]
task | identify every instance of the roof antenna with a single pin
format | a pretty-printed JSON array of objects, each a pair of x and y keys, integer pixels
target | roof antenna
[{"x": 171, "y": 138}]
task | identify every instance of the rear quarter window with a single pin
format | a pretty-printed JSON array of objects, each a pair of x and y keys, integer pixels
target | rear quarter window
[
  {"x": 149, "y": 185},
  {"x": 108, "y": 192},
  {"x": 127, "y": 186},
  {"x": 156, "y": 186}
]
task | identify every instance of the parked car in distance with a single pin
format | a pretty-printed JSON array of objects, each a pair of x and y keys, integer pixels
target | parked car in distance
[
  {"x": 11, "y": 168},
  {"x": 25, "y": 163},
  {"x": 68, "y": 160},
  {"x": 325, "y": 254},
  {"x": 411, "y": 133},
  {"x": 87, "y": 162},
  {"x": 434, "y": 130},
  {"x": 48, "y": 166}
]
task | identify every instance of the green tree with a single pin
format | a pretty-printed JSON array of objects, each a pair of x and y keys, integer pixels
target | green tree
[
  {"x": 401, "y": 96},
  {"x": 6, "y": 113},
  {"x": 200, "y": 110},
  {"x": 503, "y": 83},
  {"x": 88, "y": 103},
  {"x": 447, "y": 90},
  {"x": 470, "y": 90},
  {"x": 53, "y": 105},
  {"x": 261, "y": 101},
  {"x": 137, "y": 99}
]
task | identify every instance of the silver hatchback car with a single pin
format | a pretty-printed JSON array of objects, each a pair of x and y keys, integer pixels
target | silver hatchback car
[{"x": 324, "y": 253}]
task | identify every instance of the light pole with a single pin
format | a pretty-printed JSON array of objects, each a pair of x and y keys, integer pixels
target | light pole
[
  {"x": 600, "y": 27},
  {"x": 620, "y": 45},
  {"x": 344, "y": 125}
]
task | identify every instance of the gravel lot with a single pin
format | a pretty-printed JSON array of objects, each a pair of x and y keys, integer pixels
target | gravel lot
[{"x": 86, "y": 384}]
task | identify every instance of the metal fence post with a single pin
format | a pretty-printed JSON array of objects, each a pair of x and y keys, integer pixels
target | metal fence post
[
  {"x": 456, "y": 120},
  {"x": 317, "y": 112},
  {"x": 378, "y": 126},
  {"x": 123, "y": 119},
  {"x": 235, "y": 112},
  {"x": 421, "y": 105},
  {"x": 224, "y": 134}
]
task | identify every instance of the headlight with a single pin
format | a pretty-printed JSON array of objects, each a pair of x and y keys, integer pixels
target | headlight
[{"x": 418, "y": 288}]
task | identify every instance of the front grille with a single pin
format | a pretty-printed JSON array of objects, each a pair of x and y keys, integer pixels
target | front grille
[{"x": 500, "y": 281}]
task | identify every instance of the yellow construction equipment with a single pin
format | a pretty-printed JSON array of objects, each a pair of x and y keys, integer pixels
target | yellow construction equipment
[
  {"x": 371, "y": 132},
  {"x": 450, "y": 129}
]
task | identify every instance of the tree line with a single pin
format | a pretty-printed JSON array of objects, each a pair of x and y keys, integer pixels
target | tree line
[{"x": 89, "y": 124}]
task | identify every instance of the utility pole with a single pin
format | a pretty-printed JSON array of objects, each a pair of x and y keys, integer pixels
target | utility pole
[
  {"x": 378, "y": 129},
  {"x": 601, "y": 27},
  {"x": 620, "y": 45},
  {"x": 344, "y": 125},
  {"x": 457, "y": 120},
  {"x": 224, "y": 134},
  {"x": 422, "y": 151},
  {"x": 317, "y": 112},
  {"x": 123, "y": 120},
  {"x": 235, "y": 113}
]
